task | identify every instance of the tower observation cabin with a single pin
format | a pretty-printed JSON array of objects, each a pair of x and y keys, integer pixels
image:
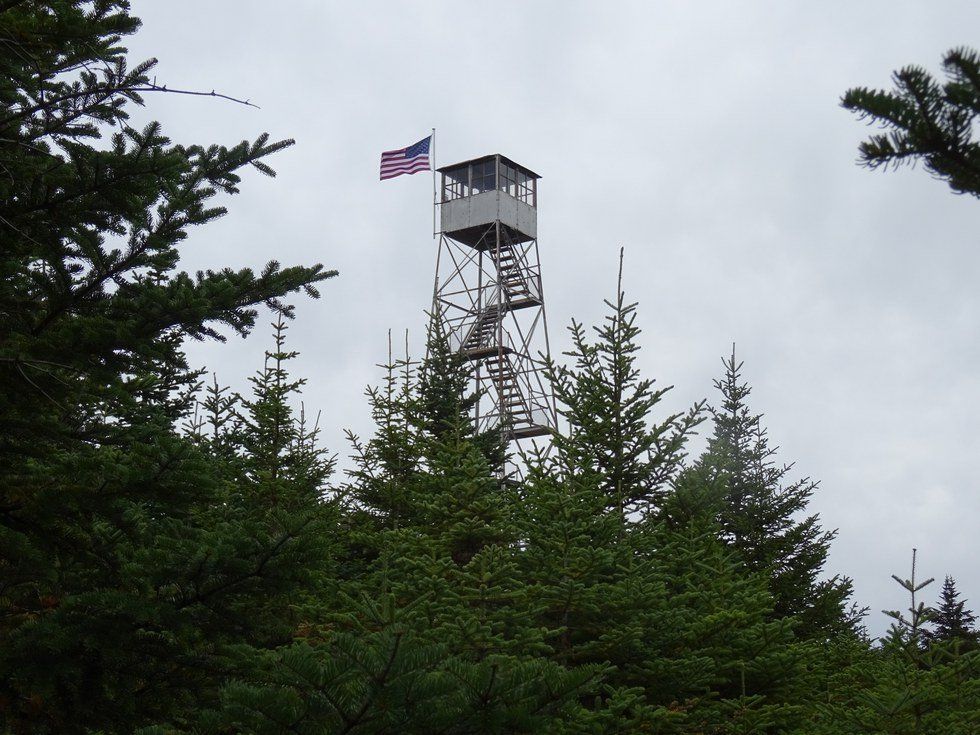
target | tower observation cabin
[{"x": 488, "y": 293}]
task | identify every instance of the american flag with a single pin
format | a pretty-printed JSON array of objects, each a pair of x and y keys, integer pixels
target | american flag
[{"x": 406, "y": 160}]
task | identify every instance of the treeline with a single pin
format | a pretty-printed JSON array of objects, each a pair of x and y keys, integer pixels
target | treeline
[{"x": 175, "y": 557}]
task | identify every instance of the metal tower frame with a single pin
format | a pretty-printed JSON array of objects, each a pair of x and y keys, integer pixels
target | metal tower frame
[{"x": 488, "y": 292}]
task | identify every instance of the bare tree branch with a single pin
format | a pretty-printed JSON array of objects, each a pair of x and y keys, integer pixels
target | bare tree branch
[{"x": 163, "y": 88}]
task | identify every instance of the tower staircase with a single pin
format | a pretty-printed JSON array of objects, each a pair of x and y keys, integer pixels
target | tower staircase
[
  {"x": 513, "y": 403},
  {"x": 482, "y": 341},
  {"x": 513, "y": 277}
]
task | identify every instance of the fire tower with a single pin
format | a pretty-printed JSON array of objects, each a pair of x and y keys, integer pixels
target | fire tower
[{"x": 488, "y": 291}]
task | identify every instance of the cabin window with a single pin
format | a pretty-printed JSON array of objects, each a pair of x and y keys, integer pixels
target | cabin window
[
  {"x": 455, "y": 183},
  {"x": 484, "y": 176},
  {"x": 508, "y": 179},
  {"x": 525, "y": 188}
]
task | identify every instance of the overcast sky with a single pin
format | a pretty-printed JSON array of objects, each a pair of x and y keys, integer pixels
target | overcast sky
[{"x": 707, "y": 139}]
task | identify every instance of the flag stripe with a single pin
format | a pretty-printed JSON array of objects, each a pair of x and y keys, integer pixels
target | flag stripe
[
  {"x": 388, "y": 172},
  {"x": 408, "y": 160}
]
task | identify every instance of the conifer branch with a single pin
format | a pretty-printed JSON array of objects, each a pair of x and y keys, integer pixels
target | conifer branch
[{"x": 253, "y": 573}]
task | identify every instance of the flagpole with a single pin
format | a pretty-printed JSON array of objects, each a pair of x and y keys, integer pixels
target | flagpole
[{"x": 435, "y": 198}]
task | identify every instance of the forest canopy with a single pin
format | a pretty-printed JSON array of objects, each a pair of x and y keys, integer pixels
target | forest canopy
[{"x": 176, "y": 556}]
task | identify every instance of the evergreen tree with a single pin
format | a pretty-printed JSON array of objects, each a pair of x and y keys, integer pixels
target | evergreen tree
[
  {"x": 454, "y": 534},
  {"x": 446, "y": 402},
  {"x": 281, "y": 455},
  {"x": 276, "y": 495},
  {"x": 718, "y": 648},
  {"x": 952, "y": 622},
  {"x": 688, "y": 633},
  {"x": 384, "y": 675},
  {"x": 128, "y": 573},
  {"x": 607, "y": 405},
  {"x": 418, "y": 636},
  {"x": 926, "y": 121},
  {"x": 905, "y": 686},
  {"x": 435, "y": 531},
  {"x": 760, "y": 515},
  {"x": 386, "y": 464}
]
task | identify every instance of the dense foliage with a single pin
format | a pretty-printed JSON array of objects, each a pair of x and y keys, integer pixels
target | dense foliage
[
  {"x": 181, "y": 558},
  {"x": 138, "y": 566},
  {"x": 926, "y": 121}
]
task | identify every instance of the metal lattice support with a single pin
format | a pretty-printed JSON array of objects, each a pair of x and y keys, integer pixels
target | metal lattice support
[{"x": 488, "y": 292}]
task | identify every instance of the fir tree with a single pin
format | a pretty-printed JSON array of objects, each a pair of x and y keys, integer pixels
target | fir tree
[
  {"x": 386, "y": 464},
  {"x": 952, "y": 622},
  {"x": 687, "y": 631},
  {"x": 445, "y": 401},
  {"x": 281, "y": 449},
  {"x": 717, "y": 648},
  {"x": 454, "y": 529},
  {"x": 761, "y": 516},
  {"x": 277, "y": 493},
  {"x": 607, "y": 405},
  {"x": 434, "y": 530}
]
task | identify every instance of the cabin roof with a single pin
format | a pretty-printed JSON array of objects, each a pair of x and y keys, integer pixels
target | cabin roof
[{"x": 525, "y": 169}]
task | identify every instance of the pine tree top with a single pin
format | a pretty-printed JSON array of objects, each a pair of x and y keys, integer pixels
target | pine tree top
[{"x": 952, "y": 620}]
